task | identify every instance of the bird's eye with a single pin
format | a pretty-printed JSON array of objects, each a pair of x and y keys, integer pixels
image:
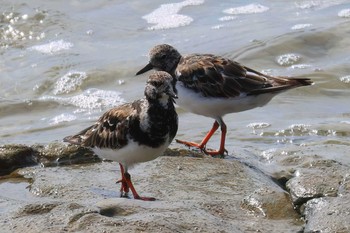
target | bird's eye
[
  {"x": 163, "y": 56},
  {"x": 156, "y": 84}
]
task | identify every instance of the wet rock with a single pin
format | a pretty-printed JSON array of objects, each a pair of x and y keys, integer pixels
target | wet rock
[
  {"x": 56, "y": 154},
  {"x": 281, "y": 177},
  {"x": 344, "y": 187},
  {"x": 309, "y": 186},
  {"x": 33, "y": 209},
  {"x": 314, "y": 179},
  {"x": 319, "y": 186},
  {"x": 269, "y": 203},
  {"x": 205, "y": 195},
  {"x": 15, "y": 156},
  {"x": 183, "y": 152},
  {"x": 194, "y": 193},
  {"x": 328, "y": 214}
]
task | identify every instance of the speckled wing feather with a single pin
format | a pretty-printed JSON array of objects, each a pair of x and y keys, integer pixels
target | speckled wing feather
[
  {"x": 276, "y": 84},
  {"x": 110, "y": 131},
  {"x": 215, "y": 76}
]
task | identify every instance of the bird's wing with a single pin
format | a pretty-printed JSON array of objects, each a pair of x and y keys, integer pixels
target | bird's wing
[
  {"x": 110, "y": 131},
  {"x": 216, "y": 76}
]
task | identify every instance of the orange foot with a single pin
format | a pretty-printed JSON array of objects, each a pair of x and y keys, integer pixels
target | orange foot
[
  {"x": 213, "y": 153},
  {"x": 190, "y": 144},
  {"x": 210, "y": 152}
]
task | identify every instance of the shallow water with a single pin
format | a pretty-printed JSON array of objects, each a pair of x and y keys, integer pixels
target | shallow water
[{"x": 63, "y": 64}]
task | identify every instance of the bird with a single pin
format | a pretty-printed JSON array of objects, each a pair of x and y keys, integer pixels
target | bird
[
  {"x": 213, "y": 86},
  {"x": 134, "y": 132}
]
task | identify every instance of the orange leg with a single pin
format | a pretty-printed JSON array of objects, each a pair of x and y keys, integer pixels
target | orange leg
[
  {"x": 126, "y": 184},
  {"x": 221, "y": 150},
  {"x": 124, "y": 189},
  {"x": 205, "y": 140}
]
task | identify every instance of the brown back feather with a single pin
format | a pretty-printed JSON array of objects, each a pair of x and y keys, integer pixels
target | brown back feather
[
  {"x": 109, "y": 131},
  {"x": 215, "y": 76}
]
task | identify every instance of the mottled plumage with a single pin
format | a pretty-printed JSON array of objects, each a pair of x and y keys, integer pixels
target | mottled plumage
[
  {"x": 134, "y": 132},
  {"x": 213, "y": 86}
]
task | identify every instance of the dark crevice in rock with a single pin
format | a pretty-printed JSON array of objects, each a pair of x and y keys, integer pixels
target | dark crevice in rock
[
  {"x": 280, "y": 178},
  {"x": 281, "y": 182},
  {"x": 111, "y": 211}
]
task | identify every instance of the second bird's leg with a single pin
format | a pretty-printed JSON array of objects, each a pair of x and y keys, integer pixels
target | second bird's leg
[
  {"x": 205, "y": 140},
  {"x": 124, "y": 189},
  {"x": 222, "y": 149}
]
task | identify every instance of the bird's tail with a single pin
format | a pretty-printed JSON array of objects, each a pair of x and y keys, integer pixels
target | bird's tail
[
  {"x": 297, "y": 82},
  {"x": 78, "y": 138},
  {"x": 280, "y": 84}
]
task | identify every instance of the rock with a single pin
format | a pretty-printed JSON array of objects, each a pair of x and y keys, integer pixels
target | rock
[
  {"x": 309, "y": 186},
  {"x": 182, "y": 152},
  {"x": 34, "y": 209},
  {"x": 319, "y": 178},
  {"x": 194, "y": 193},
  {"x": 320, "y": 185},
  {"x": 56, "y": 153},
  {"x": 269, "y": 203},
  {"x": 205, "y": 195},
  {"x": 14, "y": 156},
  {"x": 328, "y": 214}
]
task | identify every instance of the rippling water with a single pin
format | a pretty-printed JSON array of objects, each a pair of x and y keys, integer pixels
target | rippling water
[{"x": 64, "y": 63}]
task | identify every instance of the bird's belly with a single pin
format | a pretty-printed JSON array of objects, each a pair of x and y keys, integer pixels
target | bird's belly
[
  {"x": 131, "y": 154},
  {"x": 217, "y": 107}
]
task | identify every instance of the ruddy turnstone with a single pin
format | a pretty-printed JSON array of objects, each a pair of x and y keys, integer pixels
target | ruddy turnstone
[
  {"x": 134, "y": 132},
  {"x": 214, "y": 86}
]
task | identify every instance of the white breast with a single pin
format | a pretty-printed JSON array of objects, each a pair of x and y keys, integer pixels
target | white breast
[
  {"x": 217, "y": 107},
  {"x": 131, "y": 153}
]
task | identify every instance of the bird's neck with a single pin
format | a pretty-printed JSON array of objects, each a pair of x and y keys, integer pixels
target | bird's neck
[
  {"x": 161, "y": 104},
  {"x": 171, "y": 70}
]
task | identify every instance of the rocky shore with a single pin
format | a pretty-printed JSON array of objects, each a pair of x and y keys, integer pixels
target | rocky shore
[{"x": 61, "y": 188}]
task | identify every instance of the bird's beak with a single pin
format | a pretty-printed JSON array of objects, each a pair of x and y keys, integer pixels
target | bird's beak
[
  {"x": 145, "y": 69},
  {"x": 171, "y": 93}
]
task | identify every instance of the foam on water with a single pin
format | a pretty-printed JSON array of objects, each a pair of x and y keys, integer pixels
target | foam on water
[
  {"x": 227, "y": 18},
  {"x": 247, "y": 9},
  {"x": 62, "y": 118},
  {"x": 90, "y": 99},
  {"x": 301, "y": 26},
  {"x": 318, "y": 4},
  {"x": 307, "y": 4},
  {"x": 300, "y": 66},
  {"x": 296, "y": 130},
  {"x": 258, "y": 125},
  {"x": 52, "y": 47},
  {"x": 345, "y": 13},
  {"x": 268, "y": 154},
  {"x": 217, "y": 26},
  {"x": 166, "y": 16},
  {"x": 288, "y": 59},
  {"x": 69, "y": 82},
  {"x": 345, "y": 79}
]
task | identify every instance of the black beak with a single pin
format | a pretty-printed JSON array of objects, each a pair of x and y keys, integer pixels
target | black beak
[
  {"x": 171, "y": 93},
  {"x": 145, "y": 69}
]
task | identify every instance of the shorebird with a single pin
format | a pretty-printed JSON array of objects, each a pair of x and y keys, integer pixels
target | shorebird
[
  {"x": 214, "y": 86},
  {"x": 134, "y": 132}
]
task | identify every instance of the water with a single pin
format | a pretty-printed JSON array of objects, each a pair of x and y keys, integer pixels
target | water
[{"x": 64, "y": 63}]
